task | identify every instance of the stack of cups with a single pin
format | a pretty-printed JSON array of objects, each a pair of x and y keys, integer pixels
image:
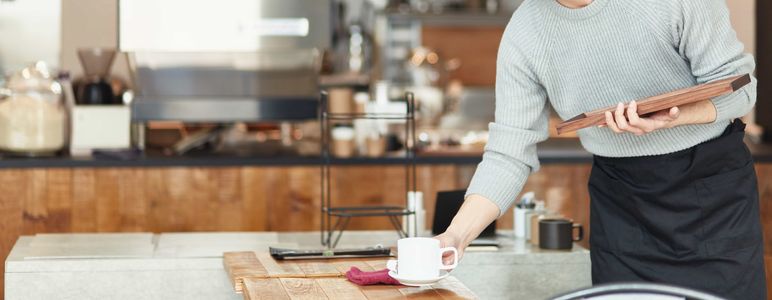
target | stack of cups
[
  {"x": 343, "y": 144},
  {"x": 415, "y": 224}
]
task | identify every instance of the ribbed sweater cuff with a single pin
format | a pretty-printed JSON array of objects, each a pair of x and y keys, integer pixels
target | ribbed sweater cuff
[
  {"x": 498, "y": 184},
  {"x": 731, "y": 106}
]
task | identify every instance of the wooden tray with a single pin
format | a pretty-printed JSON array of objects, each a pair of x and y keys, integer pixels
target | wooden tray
[
  {"x": 665, "y": 101},
  {"x": 259, "y": 276}
]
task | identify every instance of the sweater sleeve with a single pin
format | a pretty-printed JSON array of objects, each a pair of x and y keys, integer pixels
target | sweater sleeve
[
  {"x": 521, "y": 121},
  {"x": 708, "y": 42}
]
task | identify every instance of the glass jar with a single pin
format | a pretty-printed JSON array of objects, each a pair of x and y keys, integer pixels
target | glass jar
[{"x": 32, "y": 116}]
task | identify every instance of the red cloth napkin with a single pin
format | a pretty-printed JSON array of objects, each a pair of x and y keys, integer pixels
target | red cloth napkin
[{"x": 360, "y": 277}]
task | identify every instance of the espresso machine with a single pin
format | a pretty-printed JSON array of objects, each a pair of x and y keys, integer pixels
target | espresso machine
[{"x": 224, "y": 61}]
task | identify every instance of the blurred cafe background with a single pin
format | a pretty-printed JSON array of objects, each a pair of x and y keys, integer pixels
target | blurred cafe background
[{"x": 125, "y": 116}]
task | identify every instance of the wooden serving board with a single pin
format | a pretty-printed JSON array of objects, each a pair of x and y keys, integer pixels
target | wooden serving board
[
  {"x": 340, "y": 288},
  {"x": 259, "y": 276},
  {"x": 657, "y": 103}
]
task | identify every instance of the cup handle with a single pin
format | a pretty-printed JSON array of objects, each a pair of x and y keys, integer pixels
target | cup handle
[
  {"x": 392, "y": 265},
  {"x": 579, "y": 236},
  {"x": 455, "y": 258}
]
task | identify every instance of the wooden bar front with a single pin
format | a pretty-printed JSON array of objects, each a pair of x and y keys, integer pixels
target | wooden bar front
[{"x": 182, "y": 199}]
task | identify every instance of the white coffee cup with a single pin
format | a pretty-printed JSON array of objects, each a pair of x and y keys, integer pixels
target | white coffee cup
[{"x": 420, "y": 258}]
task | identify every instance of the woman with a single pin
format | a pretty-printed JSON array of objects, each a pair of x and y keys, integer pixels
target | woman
[{"x": 673, "y": 194}]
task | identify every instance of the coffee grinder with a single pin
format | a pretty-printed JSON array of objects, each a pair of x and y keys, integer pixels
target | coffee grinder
[{"x": 96, "y": 89}]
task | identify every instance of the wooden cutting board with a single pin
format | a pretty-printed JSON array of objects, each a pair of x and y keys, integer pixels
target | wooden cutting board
[
  {"x": 259, "y": 276},
  {"x": 665, "y": 101}
]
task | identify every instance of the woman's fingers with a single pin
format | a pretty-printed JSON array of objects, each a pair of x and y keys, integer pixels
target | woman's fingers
[
  {"x": 619, "y": 117},
  {"x": 448, "y": 239},
  {"x": 627, "y": 120},
  {"x": 674, "y": 113},
  {"x": 611, "y": 123},
  {"x": 636, "y": 121},
  {"x": 666, "y": 116}
]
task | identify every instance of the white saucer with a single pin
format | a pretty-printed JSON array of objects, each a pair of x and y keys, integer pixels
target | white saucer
[{"x": 419, "y": 282}]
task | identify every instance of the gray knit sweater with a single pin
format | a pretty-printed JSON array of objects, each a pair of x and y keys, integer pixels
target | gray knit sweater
[{"x": 610, "y": 51}]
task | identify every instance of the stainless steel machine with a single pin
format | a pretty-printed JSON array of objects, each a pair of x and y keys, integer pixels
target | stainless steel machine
[{"x": 224, "y": 61}]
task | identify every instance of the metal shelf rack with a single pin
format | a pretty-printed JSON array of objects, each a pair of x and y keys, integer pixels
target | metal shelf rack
[{"x": 331, "y": 232}]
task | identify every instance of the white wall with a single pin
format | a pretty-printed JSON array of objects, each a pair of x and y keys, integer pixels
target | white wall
[
  {"x": 29, "y": 31},
  {"x": 90, "y": 23},
  {"x": 744, "y": 21},
  {"x": 743, "y": 14}
]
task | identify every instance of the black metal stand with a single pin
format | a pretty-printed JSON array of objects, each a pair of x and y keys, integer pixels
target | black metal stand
[{"x": 343, "y": 215}]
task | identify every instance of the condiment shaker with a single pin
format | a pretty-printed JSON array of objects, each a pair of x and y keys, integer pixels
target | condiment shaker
[{"x": 521, "y": 208}]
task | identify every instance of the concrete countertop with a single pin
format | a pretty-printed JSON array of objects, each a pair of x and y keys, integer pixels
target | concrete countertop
[
  {"x": 189, "y": 265},
  {"x": 63, "y": 250}
]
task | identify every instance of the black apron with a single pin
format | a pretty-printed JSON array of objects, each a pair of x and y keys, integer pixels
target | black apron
[{"x": 689, "y": 218}]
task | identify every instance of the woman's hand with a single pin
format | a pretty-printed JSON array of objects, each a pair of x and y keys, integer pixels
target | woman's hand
[
  {"x": 621, "y": 122},
  {"x": 450, "y": 239},
  {"x": 475, "y": 214}
]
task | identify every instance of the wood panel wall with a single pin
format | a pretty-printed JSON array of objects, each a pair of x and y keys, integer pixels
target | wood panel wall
[
  {"x": 478, "y": 62},
  {"x": 254, "y": 198}
]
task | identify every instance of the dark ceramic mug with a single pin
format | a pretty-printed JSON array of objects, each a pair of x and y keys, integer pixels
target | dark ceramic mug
[{"x": 559, "y": 234}]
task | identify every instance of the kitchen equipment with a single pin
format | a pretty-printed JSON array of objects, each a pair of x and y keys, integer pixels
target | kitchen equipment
[
  {"x": 99, "y": 127},
  {"x": 420, "y": 258},
  {"x": 199, "y": 139},
  {"x": 251, "y": 60},
  {"x": 558, "y": 234},
  {"x": 96, "y": 63},
  {"x": 98, "y": 118},
  {"x": 657, "y": 103},
  {"x": 32, "y": 116}
]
